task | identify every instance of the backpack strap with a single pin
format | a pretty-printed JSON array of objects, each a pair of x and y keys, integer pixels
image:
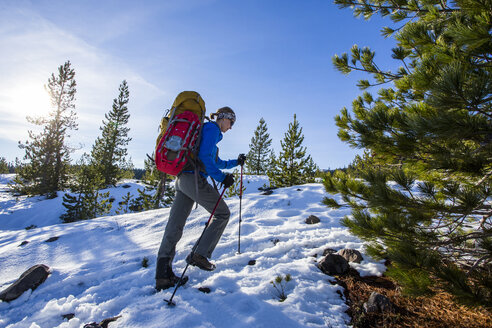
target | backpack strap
[
  {"x": 196, "y": 160},
  {"x": 196, "y": 185}
]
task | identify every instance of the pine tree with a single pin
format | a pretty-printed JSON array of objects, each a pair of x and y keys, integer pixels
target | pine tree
[
  {"x": 271, "y": 169},
  {"x": 124, "y": 205},
  {"x": 289, "y": 168},
  {"x": 158, "y": 185},
  {"x": 47, "y": 153},
  {"x": 310, "y": 171},
  {"x": 85, "y": 200},
  {"x": 4, "y": 166},
  {"x": 259, "y": 150},
  {"x": 109, "y": 150},
  {"x": 421, "y": 195}
]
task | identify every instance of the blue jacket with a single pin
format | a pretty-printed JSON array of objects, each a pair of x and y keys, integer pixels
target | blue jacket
[{"x": 208, "y": 153}]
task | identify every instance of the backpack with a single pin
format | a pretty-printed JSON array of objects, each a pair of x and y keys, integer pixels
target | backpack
[{"x": 180, "y": 133}]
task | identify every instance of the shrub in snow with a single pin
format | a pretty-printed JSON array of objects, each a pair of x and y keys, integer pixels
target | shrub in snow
[{"x": 279, "y": 285}]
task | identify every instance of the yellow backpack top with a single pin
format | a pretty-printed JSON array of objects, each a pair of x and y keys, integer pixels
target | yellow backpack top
[{"x": 186, "y": 100}]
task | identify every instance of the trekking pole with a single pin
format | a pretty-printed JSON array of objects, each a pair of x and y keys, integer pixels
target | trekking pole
[
  {"x": 170, "y": 301},
  {"x": 240, "y": 205}
]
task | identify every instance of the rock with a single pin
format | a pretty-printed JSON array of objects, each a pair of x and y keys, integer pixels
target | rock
[
  {"x": 275, "y": 240},
  {"x": 68, "y": 316},
  {"x": 205, "y": 290},
  {"x": 30, "y": 279},
  {"x": 25, "y": 242},
  {"x": 252, "y": 262},
  {"x": 102, "y": 324},
  {"x": 329, "y": 251},
  {"x": 126, "y": 186},
  {"x": 377, "y": 303},
  {"x": 105, "y": 322},
  {"x": 265, "y": 188},
  {"x": 351, "y": 255},
  {"x": 312, "y": 219},
  {"x": 268, "y": 192},
  {"x": 92, "y": 325},
  {"x": 32, "y": 226},
  {"x": 52, "y": 239},
  {"x": 333, "y": 264}
]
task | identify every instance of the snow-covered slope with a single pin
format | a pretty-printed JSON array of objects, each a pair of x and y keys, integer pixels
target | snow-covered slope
[{"x": 97, "y": 267}]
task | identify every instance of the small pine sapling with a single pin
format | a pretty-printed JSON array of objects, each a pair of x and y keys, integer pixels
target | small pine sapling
[
  {"x": 235, "y": 189},
  {"x": 279, "y": 284},
  {"x": 124, "y": 205}
]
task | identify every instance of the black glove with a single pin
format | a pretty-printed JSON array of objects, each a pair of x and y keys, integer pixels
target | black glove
[
  {"x": 241, "y": 159},
  {"x": 228, "y": 180}
]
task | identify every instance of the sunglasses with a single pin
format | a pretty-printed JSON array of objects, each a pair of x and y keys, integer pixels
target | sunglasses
[{"x": 229, "y": 116}]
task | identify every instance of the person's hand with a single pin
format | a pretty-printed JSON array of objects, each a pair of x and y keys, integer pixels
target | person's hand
[
  {"x": 228, "y": 180},
  {"x": 241, "y": 159}
]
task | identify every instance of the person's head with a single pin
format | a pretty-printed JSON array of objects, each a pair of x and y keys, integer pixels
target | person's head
[{"x": 225, "y": 118}]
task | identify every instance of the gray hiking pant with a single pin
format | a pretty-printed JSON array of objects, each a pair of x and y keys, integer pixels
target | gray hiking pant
[{"x": 180, "y": 210}]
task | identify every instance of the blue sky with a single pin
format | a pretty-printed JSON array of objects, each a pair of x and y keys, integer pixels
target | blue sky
[{"x": 269, "y": 59}]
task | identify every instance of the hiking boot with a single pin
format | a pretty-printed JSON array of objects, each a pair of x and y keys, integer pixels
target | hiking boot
[
  {"x": 200, "y": 261},
  {"x": 171, "y": 281},
  {"x": 165, "y": 277}
]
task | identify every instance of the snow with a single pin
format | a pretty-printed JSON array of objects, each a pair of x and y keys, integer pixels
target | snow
[{"x": 97, "y": 272}]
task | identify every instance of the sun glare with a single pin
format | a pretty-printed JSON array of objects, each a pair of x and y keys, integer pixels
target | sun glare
[{"x": 29, "y": 100}]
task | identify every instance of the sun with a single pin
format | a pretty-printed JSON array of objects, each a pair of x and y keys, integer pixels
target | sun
[{"x": 29, "y": 99}]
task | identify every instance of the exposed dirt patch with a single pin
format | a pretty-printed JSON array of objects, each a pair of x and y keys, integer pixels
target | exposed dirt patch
[{"x": 437, "y": 311}]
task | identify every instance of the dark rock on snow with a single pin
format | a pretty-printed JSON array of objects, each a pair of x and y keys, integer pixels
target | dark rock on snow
[
  {"x": 377, "y": 303},
  {"x": 329, "y": 251},
  {"x": 312, "y": 219},
  {"x": 268, "y": 192},
  {"x": 266, "y": 188},
  {"x": 92, "y": 325},
  {"x": 351, "y": 255},
  {"x": 25, "y": 242},
  {"x": 68, "y": 316},
  {"x": 52, "y": 239},
  {"x": 102, "y": 324},
  {"x": 252, "y": 262},
  {"x": 333, "y": 264},
  {"x": 30, "y": 279},
  {"x": 205, "y": 290}
]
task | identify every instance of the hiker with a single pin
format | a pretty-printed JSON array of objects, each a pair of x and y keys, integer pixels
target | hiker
[{"x": 191, "y": 189}]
